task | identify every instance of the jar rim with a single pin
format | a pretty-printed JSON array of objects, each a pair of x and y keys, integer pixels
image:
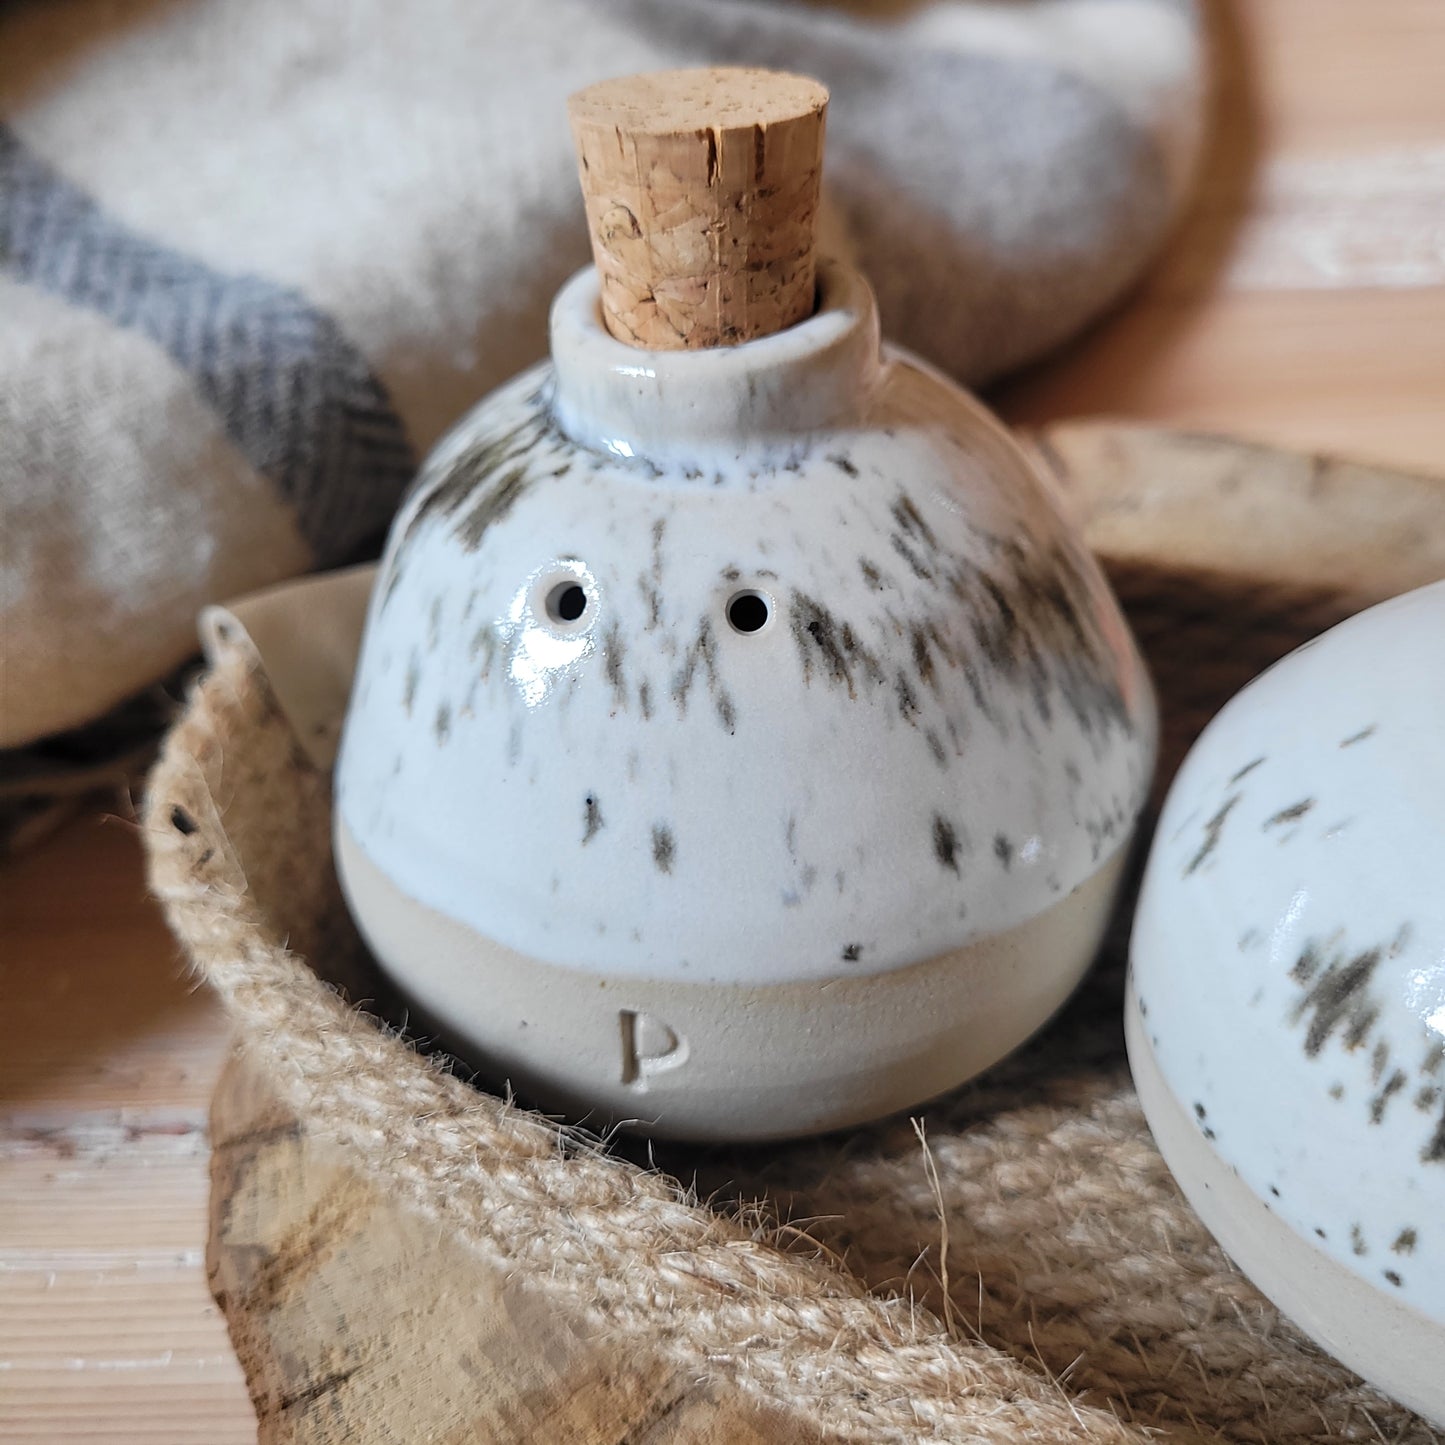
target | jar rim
[{"x": 687, "y": 407}]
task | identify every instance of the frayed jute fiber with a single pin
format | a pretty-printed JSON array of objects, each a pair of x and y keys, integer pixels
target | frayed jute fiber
[{"x": 1013, "y": 1264}]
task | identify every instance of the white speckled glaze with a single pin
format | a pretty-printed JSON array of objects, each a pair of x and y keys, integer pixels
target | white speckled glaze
[
  {"x": 1288, "y": 985},
  {"x": 942, "y": 731}
]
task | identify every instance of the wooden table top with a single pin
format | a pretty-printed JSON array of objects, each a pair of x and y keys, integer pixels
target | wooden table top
[{"x": 1302, "y": 303}]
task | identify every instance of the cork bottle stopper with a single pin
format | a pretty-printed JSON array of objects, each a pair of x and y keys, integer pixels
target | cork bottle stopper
[{"x": 702, "y": 197}]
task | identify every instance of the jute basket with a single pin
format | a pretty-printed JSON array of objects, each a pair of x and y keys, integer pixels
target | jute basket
[{"x": 1015, "y": 1264}]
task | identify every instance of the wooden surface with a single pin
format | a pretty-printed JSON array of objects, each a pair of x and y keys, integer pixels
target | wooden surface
[
  {"x": 1303, "y": 303},
  {"x": 1225, "y": 555},
  {"x": 362, "y": 1326}
]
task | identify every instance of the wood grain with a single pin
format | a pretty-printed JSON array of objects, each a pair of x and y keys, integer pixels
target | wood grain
[
  {"x": 107, "y": 1330},
  {"x": 360, "y": 1325},
  {"x": 109, "y": 1057}
]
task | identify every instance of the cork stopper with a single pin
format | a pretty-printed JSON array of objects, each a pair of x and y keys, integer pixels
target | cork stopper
[{"x": 702, "y": 198}]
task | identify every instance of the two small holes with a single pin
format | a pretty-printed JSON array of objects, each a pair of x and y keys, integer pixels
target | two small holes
[{"x": 747, "y": 612}]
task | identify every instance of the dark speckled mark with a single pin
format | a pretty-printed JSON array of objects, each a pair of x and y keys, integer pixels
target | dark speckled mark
[
  {"x": 652, "y": 596},
  {"x": 1307, "y": 964},
  {"x": 1405, "y": 1242},
  {"x": 945, "y": 842},
  {"x": 591, "y": 818},
  {"x": 1003, "y": 850},
  {"x": 827, "y": 645},
  {"x": 663, "y": 848},
  {"x": 907, "y": 698},
  {"x": 916, "y": 564},
  {"x": 442, "y": 727},
  {"x": 1339, "y": 995},
  {"x": 911, "y": 522},
  {"x": 852, "y": 952},
  {"x": 413, "y": 680},
  {"x": 871, "y": 575},
  {"x": 615, "y": 652},
  {"x": 1246, "y": 770},
  {"x": 644, "y": 700},
  {"x": 844, "y": 465},
  {"x": 1357, "y": 1241},
  {"x": 1394, "y": 1277},
  {"x": 1212, "y": 829},
  {"x": 702, "y": 654},
  {"x": 1434, "y": 1150},
  {"x": 935, "y": 746},
  {"x": 1378, "y": 1059},
  {"x": 1292, "y": 814},
  {"x": 922, "y": 657},
  {"x": 490, "y": 506},
  {"x": 1359, "y": 737},
  {"x": 484, "y": 648},
  {"x": 482, "y": 482}
]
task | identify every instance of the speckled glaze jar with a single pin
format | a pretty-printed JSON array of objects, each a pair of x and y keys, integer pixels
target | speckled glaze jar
[
  {"x": 743, "y": 743},
  {"x": 1286, "y": 1013}
]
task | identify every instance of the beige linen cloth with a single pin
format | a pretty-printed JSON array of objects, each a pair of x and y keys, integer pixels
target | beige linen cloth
[{"x": 255, "y": 257}]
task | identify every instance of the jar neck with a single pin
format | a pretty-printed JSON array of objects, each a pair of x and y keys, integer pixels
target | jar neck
[{"x": 691, "y": 408}]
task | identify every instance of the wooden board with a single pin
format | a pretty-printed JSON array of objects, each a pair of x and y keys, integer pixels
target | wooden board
[
  {"x": 1230, "y": 554},
  {"x": 1303, "y": 302},
  {"x": 358, "y": 1325}
]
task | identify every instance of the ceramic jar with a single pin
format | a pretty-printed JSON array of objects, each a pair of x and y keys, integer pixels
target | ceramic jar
[
  {"x": 1286, "y": 1013},
  {"x": 743, "y": 743}
]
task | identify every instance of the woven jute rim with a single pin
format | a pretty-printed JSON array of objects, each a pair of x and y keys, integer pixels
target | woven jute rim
[{"x": 1025, "y": 1271}]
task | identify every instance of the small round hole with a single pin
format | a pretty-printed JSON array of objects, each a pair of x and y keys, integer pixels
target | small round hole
[
  {"x": 566, "y": 602},
  {"x": 748, "y": 611}
]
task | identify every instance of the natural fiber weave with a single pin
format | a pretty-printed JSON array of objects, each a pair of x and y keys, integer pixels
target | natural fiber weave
[{"x": 1084, "y": 1298}]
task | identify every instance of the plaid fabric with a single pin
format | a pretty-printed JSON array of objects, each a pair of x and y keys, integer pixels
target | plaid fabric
[{"x": 255, "y": 258}]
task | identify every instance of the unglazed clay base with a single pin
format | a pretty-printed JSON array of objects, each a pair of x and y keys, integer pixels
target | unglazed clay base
[
  {"x": 727, "y": 1061},
  {"x": 1393, "y": 1346}
]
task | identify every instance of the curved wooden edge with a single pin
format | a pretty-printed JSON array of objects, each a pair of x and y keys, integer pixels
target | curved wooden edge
[
  {"x": 356, "y": 1322},
  {"x": 1194, "y": 504}
]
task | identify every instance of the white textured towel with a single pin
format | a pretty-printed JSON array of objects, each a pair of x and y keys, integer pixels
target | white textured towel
[{"x": 255, "y": 257}]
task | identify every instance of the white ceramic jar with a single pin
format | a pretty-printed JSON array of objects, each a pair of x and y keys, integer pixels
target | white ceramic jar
[
  {"x": 1286, "y": 1012},
  {"x": 742, "y": 743}
]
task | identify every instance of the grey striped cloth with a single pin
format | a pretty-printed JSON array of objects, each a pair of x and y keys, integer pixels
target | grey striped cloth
[{"x": 255, "y": 257}]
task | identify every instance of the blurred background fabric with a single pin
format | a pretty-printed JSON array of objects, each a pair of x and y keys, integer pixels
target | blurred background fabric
[{"x": 256, "y": 257}]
